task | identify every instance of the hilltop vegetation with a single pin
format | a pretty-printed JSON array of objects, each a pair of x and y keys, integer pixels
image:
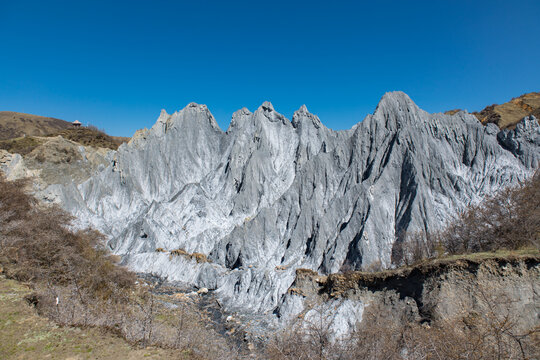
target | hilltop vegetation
[
  {"x": 507, "y": 115},
  {"x": 510, "y": 113},
  {"x": 87, "y": 136},
  {"x": 91, "y": 136},
  {"x": 21, "y": 133},
  {"x": 14, "y": 125}
]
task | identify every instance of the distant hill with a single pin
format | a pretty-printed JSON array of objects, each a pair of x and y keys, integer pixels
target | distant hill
[
  {"x": 14, "y": 124},
  {"x": 507, "y": 115},
  {"x": 21, "y": 133}
]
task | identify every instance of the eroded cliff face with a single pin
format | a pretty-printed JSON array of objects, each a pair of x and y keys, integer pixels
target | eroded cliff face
[
  {"x": 500, "y": 288},
  {"x": 271, "y": 195}
]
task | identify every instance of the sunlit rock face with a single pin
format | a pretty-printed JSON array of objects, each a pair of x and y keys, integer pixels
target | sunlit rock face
[{"x": 271, "y": 195}]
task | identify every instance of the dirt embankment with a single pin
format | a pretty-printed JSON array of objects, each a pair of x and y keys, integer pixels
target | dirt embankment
[{"x": 442, "y": 288}]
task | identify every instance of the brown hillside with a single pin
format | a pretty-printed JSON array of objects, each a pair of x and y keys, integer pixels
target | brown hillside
[
  {"x": 14, "y": 124},
  {"x": 507, "y": 115},
  {"x": 91, "y": 136}
]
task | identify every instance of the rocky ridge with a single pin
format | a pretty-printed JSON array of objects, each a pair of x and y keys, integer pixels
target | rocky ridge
[{"x": 269, "y": 195}]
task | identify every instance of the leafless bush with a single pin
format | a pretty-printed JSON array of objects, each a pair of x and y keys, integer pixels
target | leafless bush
[
  {"x": 493, "y": 328},
  {"x": 489, "y": 330},
  {"x": 508, "y": 220},
  {"x": 77, "y": 283},
  {"x": 36, "y": 245},
  {"x": 413, "y": 247},
  {"x": 308, "y": 338}
]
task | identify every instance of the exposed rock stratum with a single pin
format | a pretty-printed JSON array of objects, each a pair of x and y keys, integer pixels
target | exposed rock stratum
[{"x": 269, "y": 195}]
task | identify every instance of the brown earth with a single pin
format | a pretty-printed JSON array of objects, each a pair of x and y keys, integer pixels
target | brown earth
[
  {"x": 507, "y": 115},
  {"x": 19, "y": 132},
  {"x": 14, "y": 125}
]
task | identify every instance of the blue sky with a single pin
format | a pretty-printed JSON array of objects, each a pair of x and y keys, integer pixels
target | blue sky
[{"x": 116, "y": 64}]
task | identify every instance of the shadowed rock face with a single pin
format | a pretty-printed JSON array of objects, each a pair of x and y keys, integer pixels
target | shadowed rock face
[{"x": 271, "y": 195}]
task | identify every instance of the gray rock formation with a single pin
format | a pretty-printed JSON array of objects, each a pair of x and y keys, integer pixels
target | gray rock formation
[{"x": 271, "y": 195}]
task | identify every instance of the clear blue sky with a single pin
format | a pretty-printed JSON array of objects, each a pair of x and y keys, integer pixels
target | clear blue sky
[{"x": 117, "y": 64}]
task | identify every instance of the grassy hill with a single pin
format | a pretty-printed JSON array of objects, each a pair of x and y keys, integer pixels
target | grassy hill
[
  {"x": 21, "y": 133},
  {"x": 14, "y": 125},
  {"x": 87, "y": 136},
  {"x": 507, "y": 115}
]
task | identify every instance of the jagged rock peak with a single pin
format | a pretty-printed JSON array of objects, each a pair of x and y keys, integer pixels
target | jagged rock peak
[
  {"x": 197, "y": 106},
  {"x": 396, "y": 100},
  {"x": 267, "y": 106},
  {"x": 242, "y": 111},
  {"x": 266, "y": 110},
  {"x": 303, "y": 109},
  {"x": 238, "y": 118},
  {"x": 193, "y": 115},
  {"x": 163, "y": 116},
  {"x": 302, "y": 115}
]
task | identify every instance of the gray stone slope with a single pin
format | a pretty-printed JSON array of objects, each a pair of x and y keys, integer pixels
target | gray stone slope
[{"x": 271, "y": 195}]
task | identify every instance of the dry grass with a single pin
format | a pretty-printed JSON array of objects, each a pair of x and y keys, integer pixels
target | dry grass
[
  {"x": 21, "y": 145},
  {"x": 507, "y": 115},
  {"x": 14, "y": 125},
  {"x": 25, "y": 335},
  {"x": 199, "y": 257},
  {"x": 90, "y": 136}
]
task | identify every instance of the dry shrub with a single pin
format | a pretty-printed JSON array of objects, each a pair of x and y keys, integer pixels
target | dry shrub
[
  {"x": 380, "y": 334},
  {"x": 199, "y": 257},
  {"x": 141, "y": 317},
  {"x": 374, "y": 266},
  {"x": 306, "y": 339},
  {"x": 491, "y": 329},
  {"x": 179, "y": 252},
  {"x": 508, "y": 220},
  {"x": 22, "y": 146},
  {"x": 36, "y": 244},
  {"x": 413, "y": 247},
  {"x": 77, "y": 283}
]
